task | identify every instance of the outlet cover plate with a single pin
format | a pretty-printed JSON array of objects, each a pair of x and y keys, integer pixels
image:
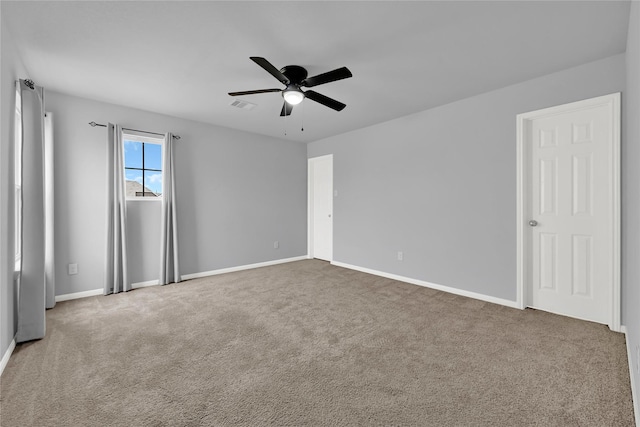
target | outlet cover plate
[{"x": 73, "y": 269}]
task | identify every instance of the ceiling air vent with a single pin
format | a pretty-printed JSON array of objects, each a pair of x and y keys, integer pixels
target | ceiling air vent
[{"x": 243, "y": 104}]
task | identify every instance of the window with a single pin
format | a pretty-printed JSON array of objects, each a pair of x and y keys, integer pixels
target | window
[{"x": 142, "y": 166}]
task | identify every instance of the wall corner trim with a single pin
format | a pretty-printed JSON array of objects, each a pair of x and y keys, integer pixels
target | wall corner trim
[
  {"x": 7, "y": 355},
  {"x": 76, "y": 295},
  {"x": 448, "y": 289},
  {"x": 634, "y": 389},
  {"x": 241, "y": 267}
]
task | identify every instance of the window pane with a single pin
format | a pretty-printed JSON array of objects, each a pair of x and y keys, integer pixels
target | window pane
[
  {"x": 153, "y": 182},
  {"x": 132, "y": 154},
  {"x": 133, "y": 183},
  {"x": 153, "y": 156}
]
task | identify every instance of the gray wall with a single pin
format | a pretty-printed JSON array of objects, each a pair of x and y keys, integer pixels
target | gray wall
[
  {"x": 237, "y": 193},
  {"x": 440, "y": 185},
  {"x": 143, "y": 225},
  {"x": 631, "y": 193},
  {"x": 11, "y": 70}
]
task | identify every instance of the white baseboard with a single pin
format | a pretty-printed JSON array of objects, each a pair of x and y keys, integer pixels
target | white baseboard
[
  {"x": 94, "y": 292},
  {"x": 7, "y": 355},
  {"x": 241, "y": 267},
  {"x": 461, "y": 292},
  {"x": 145, "y": 284},
  {"x": 137, "y": 285},
  {"x": 634, "y": 389},
  {"x": 76, "y": 295}
]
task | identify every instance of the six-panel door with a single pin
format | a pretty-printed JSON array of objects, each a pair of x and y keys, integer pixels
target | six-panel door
[{"x": 571, "y": 203}]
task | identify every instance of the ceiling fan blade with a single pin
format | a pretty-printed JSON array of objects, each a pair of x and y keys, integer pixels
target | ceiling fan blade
[
  {"x": 253, "y": 92},
  {"x": 324, "y": 100},
  {"x": 270, "y": 69},
  {"x": 286, "y": 109},
  {"x": 330, "y": 76}
]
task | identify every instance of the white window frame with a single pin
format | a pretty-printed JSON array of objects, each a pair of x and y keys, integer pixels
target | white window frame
[{"x": 130, "y": 135}]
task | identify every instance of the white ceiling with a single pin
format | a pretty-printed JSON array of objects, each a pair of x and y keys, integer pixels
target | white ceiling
[{"x": 181, "y": 58}]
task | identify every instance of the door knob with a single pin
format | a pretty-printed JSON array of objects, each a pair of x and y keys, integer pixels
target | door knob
[{"x": 533, "y": 223}]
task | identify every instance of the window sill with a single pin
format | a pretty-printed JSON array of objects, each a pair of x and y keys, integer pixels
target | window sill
[{"x": 145, "y": 199}]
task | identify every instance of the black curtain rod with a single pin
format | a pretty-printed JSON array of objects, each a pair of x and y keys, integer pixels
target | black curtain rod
[{"x": 94, "y": 124}]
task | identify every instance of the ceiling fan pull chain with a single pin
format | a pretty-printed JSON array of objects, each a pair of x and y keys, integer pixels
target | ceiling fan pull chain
[{"x": 302, "y": 128}]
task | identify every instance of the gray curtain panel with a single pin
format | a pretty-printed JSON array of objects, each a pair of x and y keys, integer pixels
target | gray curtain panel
[
  {"x": 169, "y": 262},
  {"x": 49, "y": 250},
  {"x": 116, "y": 277},
  {"x": 31, "y": 278}
]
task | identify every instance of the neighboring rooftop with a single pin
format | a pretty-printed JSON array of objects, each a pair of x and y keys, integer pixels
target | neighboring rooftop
[{"x": 135, "y": 189}]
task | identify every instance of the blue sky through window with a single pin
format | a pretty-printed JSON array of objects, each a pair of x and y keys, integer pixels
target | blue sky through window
[{"x": 152, "y": 160}]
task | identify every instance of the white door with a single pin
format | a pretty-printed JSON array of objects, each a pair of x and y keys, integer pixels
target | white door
[
  {"x": 571, "y": 157},
  {"x": 321, "y": 209}
]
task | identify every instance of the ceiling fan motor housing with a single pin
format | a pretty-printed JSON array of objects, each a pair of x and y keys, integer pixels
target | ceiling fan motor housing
[{"x": 295, "y": 73}]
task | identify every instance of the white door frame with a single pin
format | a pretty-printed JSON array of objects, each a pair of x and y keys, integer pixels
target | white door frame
[
  {"x": 613, "y": 102},
  {"x": 310, "y": 163}
]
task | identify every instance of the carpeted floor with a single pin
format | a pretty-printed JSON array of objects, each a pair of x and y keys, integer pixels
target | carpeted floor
[{"x": 310, "y": 344}]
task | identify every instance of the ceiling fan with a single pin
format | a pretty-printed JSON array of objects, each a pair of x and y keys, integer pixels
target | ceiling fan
[{"x": 294, "y": 77}]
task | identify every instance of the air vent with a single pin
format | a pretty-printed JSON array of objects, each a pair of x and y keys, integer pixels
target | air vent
[{"x": 243, "y": 104}]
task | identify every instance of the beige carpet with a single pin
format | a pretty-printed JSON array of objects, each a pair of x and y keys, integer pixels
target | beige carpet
[{"x": 309, "y": 344}]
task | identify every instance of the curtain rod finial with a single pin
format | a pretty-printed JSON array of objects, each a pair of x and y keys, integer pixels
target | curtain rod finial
[{"x": 93, "y": 124}]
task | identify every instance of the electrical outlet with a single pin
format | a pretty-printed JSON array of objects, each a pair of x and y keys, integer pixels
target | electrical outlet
[
  {"x": 400, "y": 256},
  {"x": 73, "y": 269},
  {"x": 276, "y": 244}
]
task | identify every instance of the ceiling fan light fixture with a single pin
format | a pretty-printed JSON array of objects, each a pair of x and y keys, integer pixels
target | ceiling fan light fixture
[{"x": 293, "y": 96}]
